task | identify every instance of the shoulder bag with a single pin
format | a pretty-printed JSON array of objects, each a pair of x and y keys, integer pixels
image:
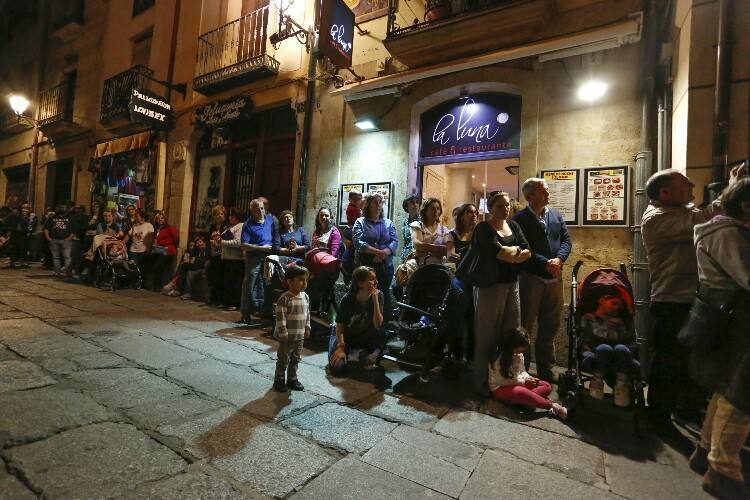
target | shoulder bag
[{"x": 477, "y": 267}]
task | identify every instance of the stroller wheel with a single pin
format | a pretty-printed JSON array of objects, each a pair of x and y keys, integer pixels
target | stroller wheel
[
  {"x": 449, "y": 369},
  {"x": 138, "y": 283}
]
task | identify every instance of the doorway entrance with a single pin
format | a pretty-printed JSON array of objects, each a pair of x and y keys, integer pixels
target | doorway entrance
[{"x": 16, "y": 186}]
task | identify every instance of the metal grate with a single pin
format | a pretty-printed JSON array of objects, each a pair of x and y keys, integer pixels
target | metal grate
[
  {"x": 54, "y": 104},
  {"x": 244, "y": 170},
  {"x": 118, "y": 89}
]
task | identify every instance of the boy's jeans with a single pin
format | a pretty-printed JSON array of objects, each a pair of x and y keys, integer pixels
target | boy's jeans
[{"x": 61, "y": 250}]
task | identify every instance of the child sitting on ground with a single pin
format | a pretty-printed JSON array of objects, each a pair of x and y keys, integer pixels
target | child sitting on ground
[
  {"x": 511, "y": 384},
  {"x": 171, "y": 287},
  {"x": 292, "y": 328},
  {"x": 605, "y": 351}
]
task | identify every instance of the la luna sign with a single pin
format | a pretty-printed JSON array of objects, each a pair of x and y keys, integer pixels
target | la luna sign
[{"x": 474, "y": 127}]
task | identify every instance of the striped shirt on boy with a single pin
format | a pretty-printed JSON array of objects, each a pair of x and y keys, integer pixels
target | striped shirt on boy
[{"x": 292, "y": 316}]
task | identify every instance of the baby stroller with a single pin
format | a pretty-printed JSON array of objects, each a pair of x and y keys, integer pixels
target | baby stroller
[
  {"x": 584, "y": 299},
  {"x": 113, "y": 267},
  {"x": 275, "y": 285},
  {"x": 421, "y": 337}
]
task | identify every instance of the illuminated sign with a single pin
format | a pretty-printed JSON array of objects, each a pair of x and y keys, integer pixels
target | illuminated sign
[
  {"x": 336, "y": 39},
  {"x": 222, "y": 112},
  {"x": 479, "y": 126},
  {"x": 151, "y": 109}
]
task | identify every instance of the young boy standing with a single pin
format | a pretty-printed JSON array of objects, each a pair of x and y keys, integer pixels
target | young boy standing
[
  {"x": 354, "y": 209},
  {"x": 292, "y": 327}
]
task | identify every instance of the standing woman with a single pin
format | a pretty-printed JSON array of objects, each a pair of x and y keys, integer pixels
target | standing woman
[
  {"x": 214, "y": 271},
  {"x": 431, "y": 239},
  {"x": 497, "y": 306},
  {"x": 164, "y": 252},
  {"x": 411, "y": 207},
  {"x": 376, "y": 242},
  {"x": 466, "y": 221},
  {"x": 141, "y": 238},
  {"x": 232, "y": 262},
  {"x": 260, "y": 237},
  {"x": 325, "y": 238},
  {"x": 326, "y": 235}
]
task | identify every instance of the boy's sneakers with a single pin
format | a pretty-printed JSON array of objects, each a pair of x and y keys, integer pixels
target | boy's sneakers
[
  {"x": 280, "y": 386},
  {"x": 622, "y": 391},
  {"x": 596, "y": 386},
  {"x": 295, "y": 385}
]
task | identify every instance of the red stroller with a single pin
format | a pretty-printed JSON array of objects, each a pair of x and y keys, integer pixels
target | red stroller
[{"x": 584, "y": 299}]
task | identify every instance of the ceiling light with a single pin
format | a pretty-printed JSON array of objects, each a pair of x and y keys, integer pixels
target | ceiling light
[
  {"x": 367, "y": 125},
  {"x": 592, "y": 90},
  {"x": 18, "y": 104}
]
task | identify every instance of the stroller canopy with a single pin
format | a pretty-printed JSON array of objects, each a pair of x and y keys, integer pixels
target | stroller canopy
[{"x": 603, "y": 282}]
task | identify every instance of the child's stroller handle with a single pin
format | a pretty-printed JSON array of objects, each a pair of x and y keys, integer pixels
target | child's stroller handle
[{"x": 576, "y": 268}]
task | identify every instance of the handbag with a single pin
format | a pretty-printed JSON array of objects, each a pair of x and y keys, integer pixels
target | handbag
[
  {"x": 319, "y": 261},
  {"x": 406, "y": 269},
  {"x": 705, "y": 323},
  {"x": 477, "y": 268},
  {"x": 159, "y": 250}
]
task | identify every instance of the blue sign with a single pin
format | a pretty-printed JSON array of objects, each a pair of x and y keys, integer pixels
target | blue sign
[
  {"x": 336, "y": 39},
  {"x": 475, "y": 127}
]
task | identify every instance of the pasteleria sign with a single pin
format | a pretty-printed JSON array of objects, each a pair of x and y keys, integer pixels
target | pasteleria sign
[
  {"x": 151, "y": 109},
  {"x": 220, "y": 113}
]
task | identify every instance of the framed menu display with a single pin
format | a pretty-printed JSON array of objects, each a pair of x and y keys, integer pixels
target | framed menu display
[
  {"x": 344, "y": 190},
  {"x": 385, "y": 189},
  {"x": 564, "y": 193},
  {"x": 606, "y": 199}
]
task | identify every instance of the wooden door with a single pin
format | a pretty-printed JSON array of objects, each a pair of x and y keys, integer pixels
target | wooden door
[
  {"x": 241, "y": 179},
  {"x": 276, "y": 174}
]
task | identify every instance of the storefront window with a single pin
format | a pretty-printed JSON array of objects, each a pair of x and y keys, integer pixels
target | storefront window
[
  {"x": 125, "y": 178},
  {"x": 210, "y": 189}
]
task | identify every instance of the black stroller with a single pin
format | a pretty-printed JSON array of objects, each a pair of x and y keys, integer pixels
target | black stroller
[
  {"x": 421, "y": 338},
  {"x": 584, "y": 299},
  {"x": 275, "y": 284},
  {"x": 113, "y": 269}
]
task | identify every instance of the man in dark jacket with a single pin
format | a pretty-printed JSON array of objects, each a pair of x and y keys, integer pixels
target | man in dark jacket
[
  {"x": 59, "y": 230},
  {"x": 540, "y": 283},
  {"x": 21, "y": 227}
]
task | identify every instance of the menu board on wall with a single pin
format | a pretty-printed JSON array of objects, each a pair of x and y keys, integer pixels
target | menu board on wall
[
  {"x": 606, "y": 201},
  {"x": 564, "y": 190}
]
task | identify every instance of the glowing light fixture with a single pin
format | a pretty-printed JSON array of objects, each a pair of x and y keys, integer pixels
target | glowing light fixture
[
  {"x": 367, "y": 125},
  {"x": 18, "y": 104},
  {"x": 592, "y": 90}
]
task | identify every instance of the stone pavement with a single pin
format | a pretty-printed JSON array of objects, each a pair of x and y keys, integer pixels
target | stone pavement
[{"x": 139, "y": 395}]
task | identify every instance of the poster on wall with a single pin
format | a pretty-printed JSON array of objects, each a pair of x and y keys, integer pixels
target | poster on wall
[
  {"x": 365, "y": 10},
  {"x": 344, "y": 190},
  {"x": 564, "y": 190},
  {"x": 385, "y": 189},
  {"x": 606, "y": 201},
  {"x": 209, "y": 190}
]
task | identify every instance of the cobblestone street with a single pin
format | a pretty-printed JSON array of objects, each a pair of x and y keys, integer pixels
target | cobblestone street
[{"x": 138, "y": 395}]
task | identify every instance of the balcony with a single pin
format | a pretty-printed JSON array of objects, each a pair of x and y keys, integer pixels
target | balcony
[
  {"x": 117, "y": 93},
  {"x": 56, "y": 111},
  {"x": 470, "y": 27},
  {"x": 67, "y": 19},
  {"x": 235, "y": 54}
]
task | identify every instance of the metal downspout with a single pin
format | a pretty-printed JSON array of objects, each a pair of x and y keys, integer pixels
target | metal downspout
[
  {"x": 306, "y": 128},
  {"x": 643, "y": 169},
  {"x": 722, "y": 93}
]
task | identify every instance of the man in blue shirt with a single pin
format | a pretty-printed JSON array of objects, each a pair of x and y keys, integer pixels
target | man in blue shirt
[
  {"x": 540, "y": 283},
  {"x": 260, "y": 237}
]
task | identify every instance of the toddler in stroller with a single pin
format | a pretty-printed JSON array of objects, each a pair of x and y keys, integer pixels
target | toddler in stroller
[{"x": 113, "y": 265}]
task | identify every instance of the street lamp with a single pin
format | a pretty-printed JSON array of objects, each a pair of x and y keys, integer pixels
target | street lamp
[
  {"x": 18, "y": 104},
  {"x": 592, "y": 90}
]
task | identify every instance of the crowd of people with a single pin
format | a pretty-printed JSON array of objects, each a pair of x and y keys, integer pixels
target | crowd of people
[{"x": 507, "y": 281}]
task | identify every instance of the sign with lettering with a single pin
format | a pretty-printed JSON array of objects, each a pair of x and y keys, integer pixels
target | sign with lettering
[
  {"x": 151, "y": 109},
  {"x": 220, "y": 113},
  {"x": 336, "y": 39},
  {"x": 564, "y": 192},
  {"x": 474, "y": 127}
]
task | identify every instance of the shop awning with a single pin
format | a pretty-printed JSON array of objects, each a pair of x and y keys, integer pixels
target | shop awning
[
  {"x": 123, "y": 144},
  {"x": 604, "y": 37}
]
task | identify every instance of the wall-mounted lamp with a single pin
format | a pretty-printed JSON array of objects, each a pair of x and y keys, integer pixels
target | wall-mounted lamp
[
  {"x": 18, "y": 104},
  {"x": 288, "y": 27},
  {"x": 592, "y": 90},
  {"x": 367, "y": 124}
]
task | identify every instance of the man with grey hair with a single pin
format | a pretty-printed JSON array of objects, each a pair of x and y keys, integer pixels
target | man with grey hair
[
  {"x": 540, "y": 283},
  {"x": 667, "y": 228}
]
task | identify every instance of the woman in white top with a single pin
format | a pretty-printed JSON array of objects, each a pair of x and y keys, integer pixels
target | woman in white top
[
  {"x": 141, "y": 237},
  {"x": 233, "y": 263},
  {"x": 432, "y": 240}
]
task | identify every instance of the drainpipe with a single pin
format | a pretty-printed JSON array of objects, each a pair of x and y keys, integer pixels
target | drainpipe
[
  {"x": 167, "y": 194},
  {"x": 722, "y": 92},
  {"x": 306, "y": 128},
  {"x": 643, "y": 169}
]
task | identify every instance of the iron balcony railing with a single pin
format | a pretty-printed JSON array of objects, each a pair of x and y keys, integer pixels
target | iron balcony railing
[
  {"x": 55, "y": 105},
  {"x": 455, "y": 9},
  {"x": 238, "y": 50},
  {"x": 118, "y": 91}
]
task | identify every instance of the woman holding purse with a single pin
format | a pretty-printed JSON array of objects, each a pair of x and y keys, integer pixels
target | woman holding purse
[{"x": 501, "y": 245}]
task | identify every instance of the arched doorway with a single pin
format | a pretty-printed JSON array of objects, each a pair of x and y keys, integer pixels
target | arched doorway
[{"x": 465, "y": 143}]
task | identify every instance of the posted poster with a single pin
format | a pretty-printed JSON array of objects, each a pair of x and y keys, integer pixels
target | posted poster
[
  {"x": 385, "y": 189},
  {"x": 344, "y": 198},
  {"x": 564, "y": 193},
  {"x": 606, "y": 202}
]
